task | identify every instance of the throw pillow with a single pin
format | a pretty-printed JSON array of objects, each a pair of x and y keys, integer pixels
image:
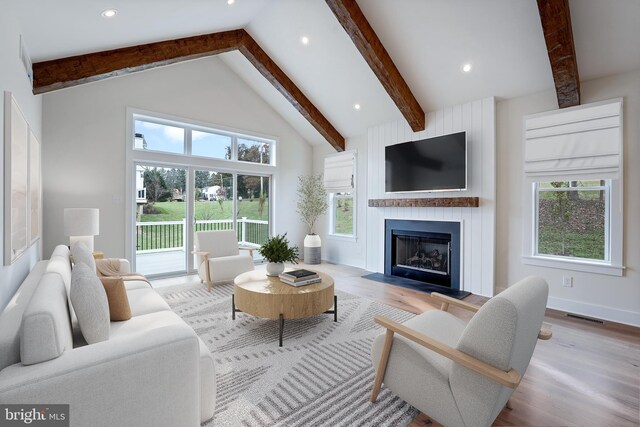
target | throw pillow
[
  {"x": 119, "y": 308},
  {"x": 90, "y": 303},
  {"x": 82, "y": 255}
]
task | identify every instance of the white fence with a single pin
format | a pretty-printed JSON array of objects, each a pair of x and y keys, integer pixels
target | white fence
[{"x": 161, "y": 236}]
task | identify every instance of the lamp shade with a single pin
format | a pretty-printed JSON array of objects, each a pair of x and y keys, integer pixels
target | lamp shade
[{"x": 81, "y": 222}]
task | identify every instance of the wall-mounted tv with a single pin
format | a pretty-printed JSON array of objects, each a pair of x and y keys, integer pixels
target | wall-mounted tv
[{"x": 433, "y": 164}]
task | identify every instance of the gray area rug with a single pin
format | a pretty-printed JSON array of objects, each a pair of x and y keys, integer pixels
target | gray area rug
[{"x": 322, "y": 376}]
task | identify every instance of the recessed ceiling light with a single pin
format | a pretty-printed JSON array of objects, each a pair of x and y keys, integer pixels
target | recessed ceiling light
[
  {"x": 304, "y": 40},
  {"x": 230, "y": 2},
  {"x": 356, "y": 106},
  {"x": 109, "y": 13},
  {"x": 466, "y": 67}
]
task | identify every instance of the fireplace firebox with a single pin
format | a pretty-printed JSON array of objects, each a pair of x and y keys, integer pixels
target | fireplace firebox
[{"x": 423, "y": 251}]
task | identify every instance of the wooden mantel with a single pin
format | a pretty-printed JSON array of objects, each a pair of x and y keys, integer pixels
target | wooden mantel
[{"x": 427, "y": 202}]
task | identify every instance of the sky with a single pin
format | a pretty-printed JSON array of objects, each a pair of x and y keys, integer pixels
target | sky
[{"x": 170, "y": 139}]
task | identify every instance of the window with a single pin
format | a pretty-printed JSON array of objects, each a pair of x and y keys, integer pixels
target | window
[
  {"x": 573, "y": 189},
  {"x": 343, "y": 218},
  {"x": 572, "y": 219},
  {"x": 339, "y": 180},
  {"x": 254, "y": 151},
  {"x": 212, "y": 145},
  {"x": 170, "y": 136},
  {"x": 158, "y": 137}
]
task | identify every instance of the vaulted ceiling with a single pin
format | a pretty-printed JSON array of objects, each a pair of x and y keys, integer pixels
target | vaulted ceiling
[{"x": 428, "y": 40}]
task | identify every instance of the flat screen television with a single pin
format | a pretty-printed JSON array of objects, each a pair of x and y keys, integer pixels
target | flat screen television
[{"x": 433, "y": 164}]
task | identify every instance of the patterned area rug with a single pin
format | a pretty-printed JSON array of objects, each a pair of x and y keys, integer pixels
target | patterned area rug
[{"x": 322, "y": 376}]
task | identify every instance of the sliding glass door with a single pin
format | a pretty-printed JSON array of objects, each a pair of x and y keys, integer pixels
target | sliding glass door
[
  {"x": 161, "y": 220},
  {"x": 187, "y": 177},
  {"x": 253, "y": 209},
  {"x": 165, "y": 237}
]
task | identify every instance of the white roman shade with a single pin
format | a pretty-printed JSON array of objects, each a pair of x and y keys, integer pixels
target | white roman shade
[
  {"x": 574, "y": 144},
  {"x": 339, "y": 172}
]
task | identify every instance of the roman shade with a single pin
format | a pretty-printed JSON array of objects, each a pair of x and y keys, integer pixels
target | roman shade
[
  {"x": 574, "y": 144},
  {"x": 339, "y": 172}
]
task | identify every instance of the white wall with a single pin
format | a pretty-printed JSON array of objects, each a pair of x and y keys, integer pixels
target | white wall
[
  {"x": 84, "y": 155},
  {"x": 13, "y": 79},
  {"x": 477, "y": 118},
  {"x": 344, "y": 250},
  {"x": 601, "y": 296},
  {"x": 478, "y": 224}
]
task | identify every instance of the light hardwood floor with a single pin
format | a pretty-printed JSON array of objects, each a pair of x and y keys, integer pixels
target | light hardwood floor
[{"x": 586, "y": 375}]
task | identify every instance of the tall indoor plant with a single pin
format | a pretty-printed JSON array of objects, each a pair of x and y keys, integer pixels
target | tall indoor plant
[{"x": 312, "y": 202}]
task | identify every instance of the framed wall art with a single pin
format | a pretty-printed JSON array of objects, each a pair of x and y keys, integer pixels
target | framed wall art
[{"x": 22, "y": 189}]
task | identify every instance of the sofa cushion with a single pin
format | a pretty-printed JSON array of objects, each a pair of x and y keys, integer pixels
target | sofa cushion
[
  {"x": 11, "y": 317},
  {"x": 143, "y": 323},
  {"x": 136, "y": 284},
  {"x": 61, "y": 264},
  {"x": 82, "y": 254},
  {"x": 46, "y": 329},
  {"x": 145, "y": 301},
  {"x": 90, "y": 303},
  {"x": 119, "y": 308}
]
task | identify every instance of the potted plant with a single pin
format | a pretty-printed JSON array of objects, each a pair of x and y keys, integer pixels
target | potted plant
[
  {"x": 312, "y": 202},
  {"x": 276, "y": 251}
]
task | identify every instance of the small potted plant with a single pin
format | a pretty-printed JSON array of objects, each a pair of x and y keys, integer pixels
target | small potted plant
[
  {"x": 276, "y": 251},
  {"x": 312, "y": 202}
]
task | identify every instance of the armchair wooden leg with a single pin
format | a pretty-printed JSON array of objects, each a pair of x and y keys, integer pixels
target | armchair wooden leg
[
  {"x": 509, "y": 405},
  {"x": 382, "y": 365}
]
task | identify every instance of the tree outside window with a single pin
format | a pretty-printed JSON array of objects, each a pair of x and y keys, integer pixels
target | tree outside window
[
  {"x": 571, "y": 219},
  {"x": 343, "y": 212}
]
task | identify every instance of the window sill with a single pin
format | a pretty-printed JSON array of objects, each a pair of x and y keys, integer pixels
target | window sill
[
  {"x": 342, "y": 237},
  {"x": 575, "y": 265}
]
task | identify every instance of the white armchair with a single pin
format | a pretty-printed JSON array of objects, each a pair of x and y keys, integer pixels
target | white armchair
[
  {"x": 462, "y": 374},
  {"x": 218, "y": 256}
]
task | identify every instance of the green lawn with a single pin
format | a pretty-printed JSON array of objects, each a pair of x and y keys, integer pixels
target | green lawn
[
  {"x": 574, "y": 228},
  {"x": 175, "y": 211},
  {"x": 344, "y": 217},
  {"x": 588, "y": 245}
]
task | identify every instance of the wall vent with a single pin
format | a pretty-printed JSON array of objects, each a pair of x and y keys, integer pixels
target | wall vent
[{"x": 588, "y": 319}]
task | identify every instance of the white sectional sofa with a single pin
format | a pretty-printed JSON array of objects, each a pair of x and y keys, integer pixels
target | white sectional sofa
[{"x": 152, "y": 371}]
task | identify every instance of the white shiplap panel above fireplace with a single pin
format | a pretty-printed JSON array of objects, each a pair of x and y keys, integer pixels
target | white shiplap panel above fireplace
[{"x": 477, "y": 118}]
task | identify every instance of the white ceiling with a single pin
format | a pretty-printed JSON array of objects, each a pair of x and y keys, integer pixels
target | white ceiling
[{"x": 429, "y": 40}]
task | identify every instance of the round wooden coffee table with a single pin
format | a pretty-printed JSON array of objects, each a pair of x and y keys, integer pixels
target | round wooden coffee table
[{"x": 267, "y": 297}]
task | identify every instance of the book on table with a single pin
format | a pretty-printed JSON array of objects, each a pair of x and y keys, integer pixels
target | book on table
[
  {"x": 304, "y": 282},
  {"x": 298, "y": 275}
]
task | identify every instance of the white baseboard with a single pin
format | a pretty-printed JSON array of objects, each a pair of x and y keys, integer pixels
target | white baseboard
[{"x": 593, "y": 310}]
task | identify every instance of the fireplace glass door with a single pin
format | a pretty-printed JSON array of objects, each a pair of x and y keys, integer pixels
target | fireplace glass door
[{"x": 430, "y": 255}]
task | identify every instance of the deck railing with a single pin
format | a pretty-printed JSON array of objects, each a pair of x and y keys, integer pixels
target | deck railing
[{"x": 169, "y": 235}]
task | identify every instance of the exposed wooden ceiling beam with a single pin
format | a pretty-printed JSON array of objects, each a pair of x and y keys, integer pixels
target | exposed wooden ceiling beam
[
  {"x": 77, "y": 70},
  {"x": 367, "y": 42},
  {"x": 556, "y": 25},
  {"x": 91, "y": 67},
  {"x": 270, "y": 70}
]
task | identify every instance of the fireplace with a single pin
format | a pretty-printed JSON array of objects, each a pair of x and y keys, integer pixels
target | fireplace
[{"x": 423, "y": 251}]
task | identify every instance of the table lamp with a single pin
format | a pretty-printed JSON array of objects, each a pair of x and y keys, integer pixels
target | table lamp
[{"x": 81, "y": 224}]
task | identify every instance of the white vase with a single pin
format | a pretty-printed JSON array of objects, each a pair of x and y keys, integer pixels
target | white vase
[
  {"x": 312, "y": 249},
  {"x": 274, "y": 268}
]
